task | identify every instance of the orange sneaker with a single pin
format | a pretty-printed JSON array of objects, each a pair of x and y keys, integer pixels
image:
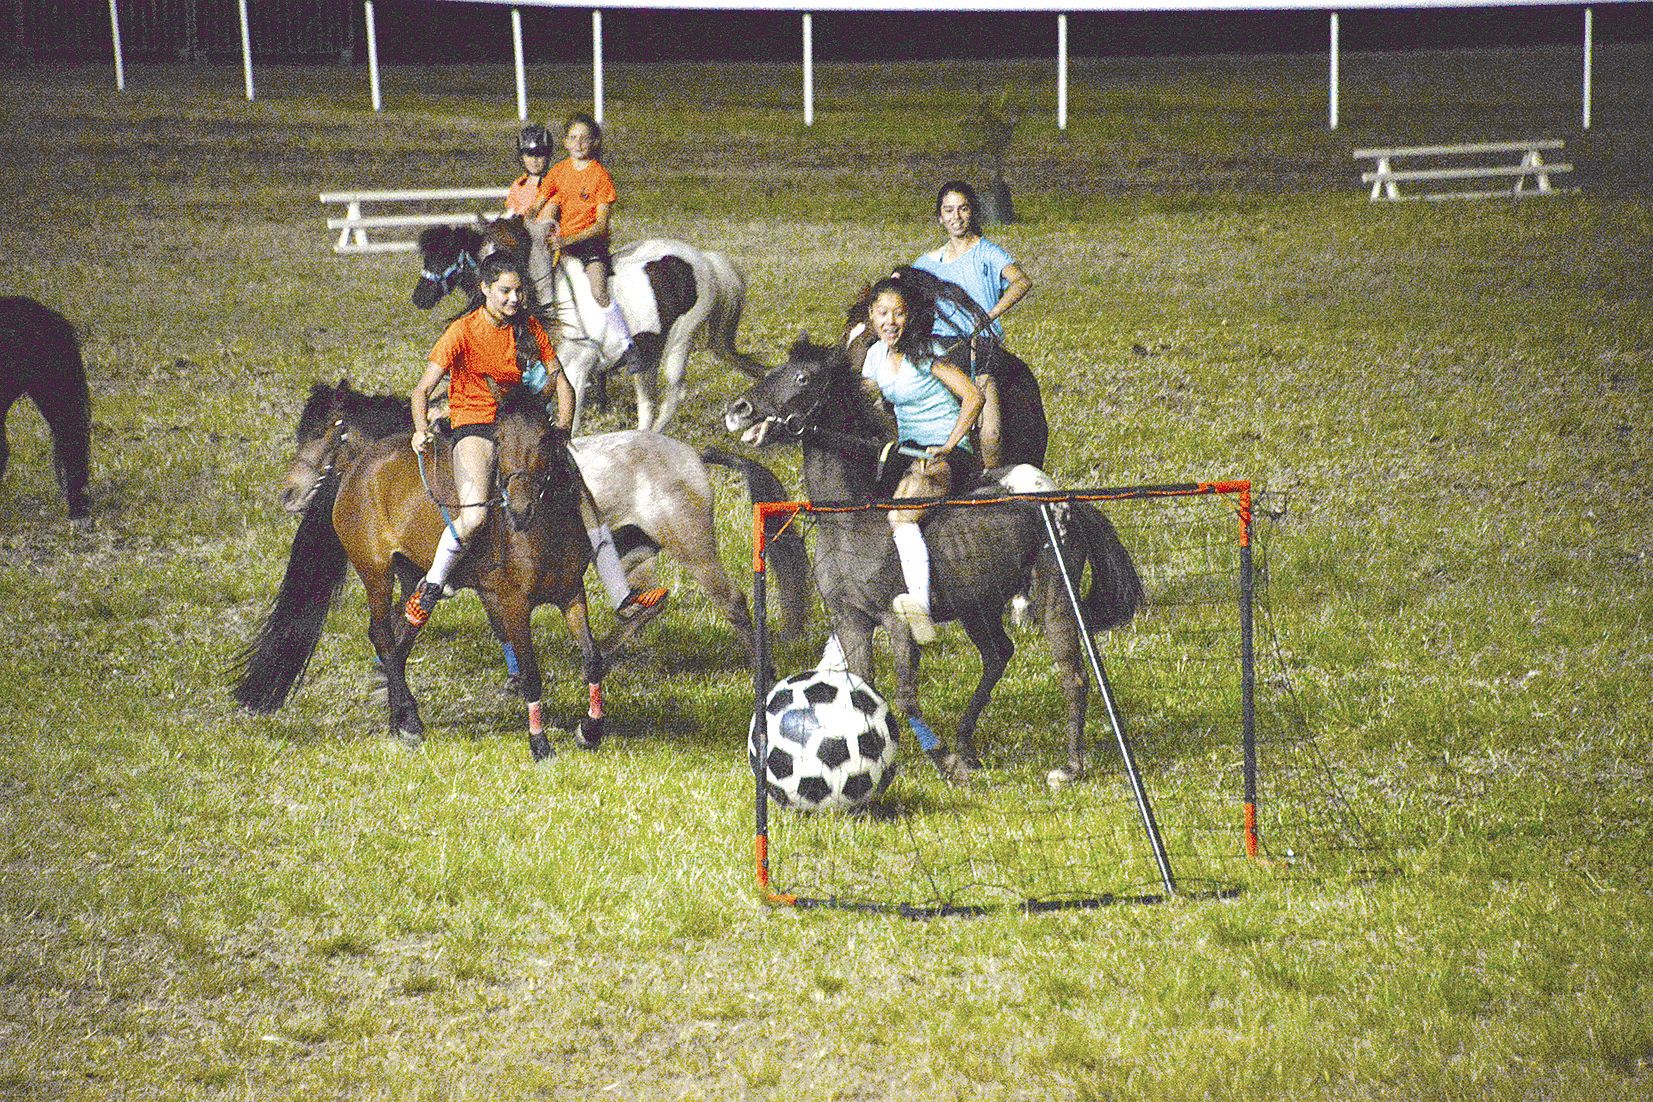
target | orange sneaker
[
  {"x": 640, "y": 601},
  {"x": 420, "y": 604}
]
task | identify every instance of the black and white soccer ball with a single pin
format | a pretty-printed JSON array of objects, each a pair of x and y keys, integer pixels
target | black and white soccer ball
[{"x": 832, "y": 742}]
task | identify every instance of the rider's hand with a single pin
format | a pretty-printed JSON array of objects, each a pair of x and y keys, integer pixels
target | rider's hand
[{"x": 421, "y": 440}]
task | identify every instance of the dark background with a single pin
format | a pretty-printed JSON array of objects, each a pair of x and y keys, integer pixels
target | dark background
[
  {"x": 442, "y": 31},
  {"x": 420, "y": 30}
]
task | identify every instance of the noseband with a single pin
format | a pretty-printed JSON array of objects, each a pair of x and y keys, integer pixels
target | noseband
[{"x": 446, "y": 278}]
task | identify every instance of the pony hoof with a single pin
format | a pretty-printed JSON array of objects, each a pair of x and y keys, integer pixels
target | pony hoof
[
  {"x": 1061, "y": 778},
  {"x": 950, "y": 766},
  {"x": 590, "y": 735},
  {"x": 540, "y": 747},
  {"x": 413, "y": 740}
]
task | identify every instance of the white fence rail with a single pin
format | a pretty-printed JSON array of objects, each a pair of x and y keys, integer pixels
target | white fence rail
[
  {"x": 1530, "y": 170},
  {"x": 394, "y": 213}
]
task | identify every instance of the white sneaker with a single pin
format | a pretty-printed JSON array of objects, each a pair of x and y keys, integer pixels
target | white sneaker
[{"x": 916, "y": 616}]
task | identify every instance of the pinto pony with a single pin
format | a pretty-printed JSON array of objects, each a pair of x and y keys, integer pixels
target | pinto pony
[
  {"x": 669, "y": 291},
  {"x": 980, "y": 555},
  {"x": 40, "y": 358},
  {"x": 385, "y": 519}
]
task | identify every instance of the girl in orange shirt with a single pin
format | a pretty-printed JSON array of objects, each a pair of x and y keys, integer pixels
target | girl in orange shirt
[
  {"x": 496, "y": 341},
  {"x": 583, "y": 194}
]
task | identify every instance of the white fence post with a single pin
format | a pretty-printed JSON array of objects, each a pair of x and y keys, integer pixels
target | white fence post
[
  {"x": 809, "y": 70},
  {"x": 1331, "y": 95},
  {"x": 1589, "y": 49},
  {"x": 115, "y": 33},
  {"x": 1062, "y": 71},
  {"x": 597, "y": 64},
  {"x": 246, "y": 50},
  {"x": 373, "y": 55},
  {"x": 522, "y": 77}
]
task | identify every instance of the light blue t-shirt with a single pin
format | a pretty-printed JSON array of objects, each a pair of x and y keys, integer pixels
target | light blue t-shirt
[
  {"x": 980, "y": 271},
  {"x": 925, "y": 410}
]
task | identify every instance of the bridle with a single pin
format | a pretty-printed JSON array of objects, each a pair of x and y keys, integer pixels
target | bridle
[{"x": 447, "y": 277}]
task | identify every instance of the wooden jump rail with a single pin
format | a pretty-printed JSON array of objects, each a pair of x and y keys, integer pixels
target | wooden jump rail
[
  {"x": 1385, "y": 180},
  {"x": 354, "y": 226}
]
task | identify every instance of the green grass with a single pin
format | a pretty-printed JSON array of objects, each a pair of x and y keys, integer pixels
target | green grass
[{"x": 196, "y": 903}]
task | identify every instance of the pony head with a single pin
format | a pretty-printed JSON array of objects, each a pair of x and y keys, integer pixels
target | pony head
[
  {"x": 447, "y": 258},
  {"x": 814, "y": 389},
  {"x": 533, "y": 462}
]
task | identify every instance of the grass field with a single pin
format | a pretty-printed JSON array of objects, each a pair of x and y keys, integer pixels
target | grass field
[{"x": 197, "y": 903}]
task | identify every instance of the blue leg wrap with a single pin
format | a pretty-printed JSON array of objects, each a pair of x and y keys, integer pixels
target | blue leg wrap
[
  {"x": 927, "y": 739},
  {"x": 511, "y": 667}
]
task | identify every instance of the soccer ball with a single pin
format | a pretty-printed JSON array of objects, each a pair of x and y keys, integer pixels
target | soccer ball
[{"x": 831, "y": 742}]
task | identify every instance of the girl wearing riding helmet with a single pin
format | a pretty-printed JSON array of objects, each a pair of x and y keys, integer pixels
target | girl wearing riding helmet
[
  {"x": 495, "y": 341},
  {"x": 991, "y": 277},
  {"x": 583, "y": 195},
  {"x": 526, "y": 198},
  {"x": 530, "y": 199},
  {"x": 936, "y": 405}
]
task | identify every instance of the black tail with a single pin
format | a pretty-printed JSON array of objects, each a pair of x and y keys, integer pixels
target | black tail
[
  {"x": 273, "y": 664},
  {"x": 1116, "y": 589},
  {"x": 787, "y": 559}
]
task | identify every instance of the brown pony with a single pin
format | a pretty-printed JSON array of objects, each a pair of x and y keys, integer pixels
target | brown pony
[{"x": 386, "y": 520}]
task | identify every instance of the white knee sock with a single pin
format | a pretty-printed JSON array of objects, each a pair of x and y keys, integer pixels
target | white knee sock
[
  {"x": 616, "y": 320},
  {"x": 607, "y": 559},
  {"x": 448, "y": 550},
  {"x": 915, "y": 560}
]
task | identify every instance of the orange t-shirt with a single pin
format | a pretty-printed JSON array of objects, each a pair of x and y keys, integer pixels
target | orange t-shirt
[
  {"x": 522, "y": 197},
  {"x": 578, "y": 191},
  {"x": 473, "y": 347}
]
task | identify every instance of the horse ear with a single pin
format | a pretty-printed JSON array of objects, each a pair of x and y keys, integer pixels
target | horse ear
[{"x": 493, "y": 388}]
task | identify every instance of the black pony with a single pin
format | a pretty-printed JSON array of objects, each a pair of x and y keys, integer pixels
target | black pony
[
  {"x": 40, "y": 357},
  {"x": 980, "y": 556}
]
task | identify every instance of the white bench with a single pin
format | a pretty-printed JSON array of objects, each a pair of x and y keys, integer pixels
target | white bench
[
  {"x": 354, "y": 226},
  {"x": 1530, "y": 168}
]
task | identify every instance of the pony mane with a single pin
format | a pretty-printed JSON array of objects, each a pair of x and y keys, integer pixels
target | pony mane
[
  {"x": 846, "y": 404},
  {"x": 458, "y": 239},
  {"x": 521, "y": 401},
  {"x": 375, "y": 414}
]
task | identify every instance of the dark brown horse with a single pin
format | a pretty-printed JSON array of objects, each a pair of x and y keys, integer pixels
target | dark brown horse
[
  {"x": 40, "y": 358},
  {"x": 386, "y": 520},
  {"x": 979, "y": 555}
]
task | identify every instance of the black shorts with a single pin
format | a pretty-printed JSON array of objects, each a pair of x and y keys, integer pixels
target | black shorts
[
  {"x": 591, "y": 249},
  {"x": 485, "y": 430}
]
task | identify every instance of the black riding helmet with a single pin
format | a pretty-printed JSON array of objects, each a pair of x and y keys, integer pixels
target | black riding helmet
[{"x": 534, "y": 141}]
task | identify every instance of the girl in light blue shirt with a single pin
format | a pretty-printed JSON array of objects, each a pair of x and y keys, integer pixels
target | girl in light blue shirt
[
  {"x": 936, "y": 405},
  {"x": 991, "y": 277}
]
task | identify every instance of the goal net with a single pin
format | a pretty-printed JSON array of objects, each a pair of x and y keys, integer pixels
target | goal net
[{"x": 1204, "y": 777}]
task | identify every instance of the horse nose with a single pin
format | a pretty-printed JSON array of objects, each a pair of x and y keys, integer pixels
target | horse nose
[
  {"x": 736, "y": 413},
  {"x": 426, "y": 294}
]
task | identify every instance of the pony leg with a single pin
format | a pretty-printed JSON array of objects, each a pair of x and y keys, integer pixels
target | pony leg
[
  {"x": 674, "y": 364},
  {"x": 593, "y": 666},
  {"x": 1065, "y": 649},
  {"x": 513, "y": 624},
  {"x": 948, "y": 764},
  {"x": 647, "y": 416},
  {"x": 996, "y": 649},
  {"x": 392, "y": 646}
]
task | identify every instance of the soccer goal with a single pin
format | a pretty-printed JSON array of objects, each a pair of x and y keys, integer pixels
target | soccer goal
[{"x": 1204, "y": 778}]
